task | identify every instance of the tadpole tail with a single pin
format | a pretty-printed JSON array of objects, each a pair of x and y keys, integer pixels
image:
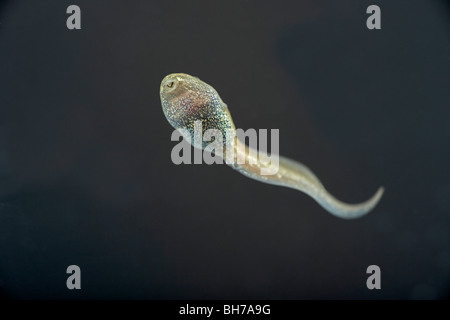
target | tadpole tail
[
  {"x": 293, "y": 174},
  {"x": 345, "y": 210}
]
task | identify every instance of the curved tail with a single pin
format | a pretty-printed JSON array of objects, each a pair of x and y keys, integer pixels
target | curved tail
[
  {"x": 293, "y": 174},
  {"x": 346, "y": 210}
]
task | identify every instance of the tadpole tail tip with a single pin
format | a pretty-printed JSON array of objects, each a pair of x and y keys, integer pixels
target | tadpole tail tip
[{"x": 361, "y": 209}]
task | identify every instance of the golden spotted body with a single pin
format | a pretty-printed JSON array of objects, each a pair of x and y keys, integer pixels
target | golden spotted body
[{"x": 186, "y": 99}]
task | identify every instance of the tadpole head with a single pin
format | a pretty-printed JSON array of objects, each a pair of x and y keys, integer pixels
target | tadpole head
[{"x": 186, "y": 99}]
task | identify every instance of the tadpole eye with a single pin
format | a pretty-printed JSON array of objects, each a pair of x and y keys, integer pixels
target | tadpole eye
[{"x": 170, "y": 84}]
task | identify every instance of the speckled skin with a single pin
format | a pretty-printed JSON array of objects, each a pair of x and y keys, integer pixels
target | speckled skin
[{"x": 185, "y": 99}]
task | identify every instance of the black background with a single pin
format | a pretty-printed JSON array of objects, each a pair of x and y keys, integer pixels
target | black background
[{"x": 86, "y": 176}]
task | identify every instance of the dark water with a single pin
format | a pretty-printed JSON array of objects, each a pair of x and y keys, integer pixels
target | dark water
[{"x": 86, "y": 176}]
